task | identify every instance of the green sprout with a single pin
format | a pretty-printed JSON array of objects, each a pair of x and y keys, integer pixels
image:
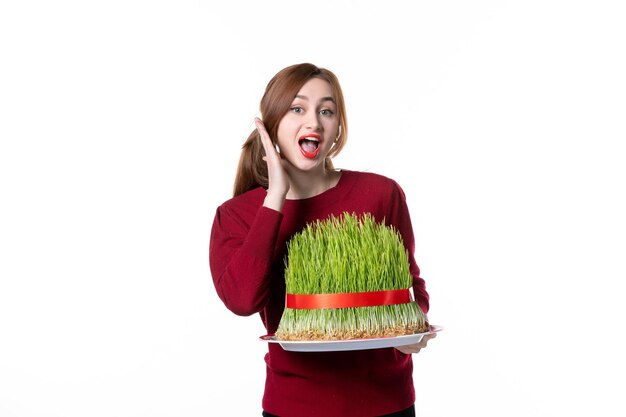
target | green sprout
[{"x": 344, "y": 255}]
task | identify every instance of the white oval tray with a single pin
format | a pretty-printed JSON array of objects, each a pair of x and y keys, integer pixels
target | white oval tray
[{"x": 353, "y": 344}]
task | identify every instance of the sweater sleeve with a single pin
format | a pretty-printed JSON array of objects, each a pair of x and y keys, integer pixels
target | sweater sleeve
[
  {"x": 240, "y": 257},
  {"x": 401, "y": 219}
]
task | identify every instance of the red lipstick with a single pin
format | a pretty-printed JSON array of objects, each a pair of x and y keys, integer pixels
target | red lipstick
[{"x": 309, "y": 145}]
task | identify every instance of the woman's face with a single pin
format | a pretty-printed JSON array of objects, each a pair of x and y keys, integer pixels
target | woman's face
[{"x": 308, "y": 130}]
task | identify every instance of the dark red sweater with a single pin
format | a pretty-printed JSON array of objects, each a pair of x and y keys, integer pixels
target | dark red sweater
[{"x": 247, "y": 250}]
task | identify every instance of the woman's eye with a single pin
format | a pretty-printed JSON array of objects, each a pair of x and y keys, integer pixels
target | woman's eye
[
  {"x": 297, "y": 109},
  {"x": 326, "y": 112}
]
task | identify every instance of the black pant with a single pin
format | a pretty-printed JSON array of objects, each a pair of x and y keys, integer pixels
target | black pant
[{"x": 409, "y": 412}]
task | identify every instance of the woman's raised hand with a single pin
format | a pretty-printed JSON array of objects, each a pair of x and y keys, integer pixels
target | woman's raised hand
[{"x": 277, "y": 174}]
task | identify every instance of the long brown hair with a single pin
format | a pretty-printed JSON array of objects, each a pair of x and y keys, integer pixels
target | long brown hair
[{"x": 276, "y": 101}]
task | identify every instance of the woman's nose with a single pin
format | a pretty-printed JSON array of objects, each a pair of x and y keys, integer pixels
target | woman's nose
[{"x": 313, "y": 121}]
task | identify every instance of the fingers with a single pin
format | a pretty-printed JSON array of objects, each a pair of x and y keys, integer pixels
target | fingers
[
  {"x": 266, "y": 141},
  {"x": 258, "y": 123},
  {"x": 416, "y": 347},
  {"x": 278, "y": 180},
  {"x": 271, "y": 155},
  {"x": 428, "y": 337},
  {"x": 407, "y": 350}
]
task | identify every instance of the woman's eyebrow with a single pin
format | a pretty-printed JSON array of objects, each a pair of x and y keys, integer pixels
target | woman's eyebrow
[{"x": 323, "y": 98}]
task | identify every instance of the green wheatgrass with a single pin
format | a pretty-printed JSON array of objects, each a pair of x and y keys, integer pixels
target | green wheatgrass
[{"x": 342, "y": 255}]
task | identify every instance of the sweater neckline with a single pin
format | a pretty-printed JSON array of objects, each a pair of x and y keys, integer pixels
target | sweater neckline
[{"x": 331, "y": 191}]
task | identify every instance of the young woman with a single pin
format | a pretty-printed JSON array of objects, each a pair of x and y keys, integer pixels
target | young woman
[{"x": 286, "y": 180}]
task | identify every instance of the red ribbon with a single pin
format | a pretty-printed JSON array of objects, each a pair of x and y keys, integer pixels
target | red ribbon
[{"x": 345, "y": 300}]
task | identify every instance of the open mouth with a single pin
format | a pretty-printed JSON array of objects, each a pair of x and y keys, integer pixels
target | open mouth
[{"x": 309, "y": 145}]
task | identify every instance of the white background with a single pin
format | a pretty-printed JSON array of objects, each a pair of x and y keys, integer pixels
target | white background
[{"x": 121, "y": 124}]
